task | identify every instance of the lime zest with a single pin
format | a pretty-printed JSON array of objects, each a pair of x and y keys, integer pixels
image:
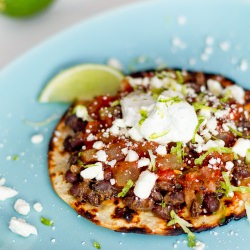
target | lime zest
[
  {"x": 223, "y": 150},
  {"x": 184, "y": 225},
  {"x": 115, "y": 103},
  {"x": 228, "y": 189},
  {"x": 226, "y": 96},
  {"x": 179, "y": 77},
  {"x": 237, "y": 133},
  {"x": 171, "y": 100},
  {"x": 46, "y": 221},
  {"x": 154, "y": 135},
  {"x": 152, "y": 157},
  {"x": 126, "y": 188},
  {"x": 163, "y": 204},
  {"x": 96, "y": 245},
  {"x": 144, "y": 116},
  {"x": 198, "y": 106},
  {"x": 248, "y": 156},
  {"x": 178, "y": 150},
  {"x": 201, "y": 119},
  {"x": 15, "y": 157}
]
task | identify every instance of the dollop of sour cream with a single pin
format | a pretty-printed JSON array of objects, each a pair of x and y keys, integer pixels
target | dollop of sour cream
[{"x": 168, "y": 118}]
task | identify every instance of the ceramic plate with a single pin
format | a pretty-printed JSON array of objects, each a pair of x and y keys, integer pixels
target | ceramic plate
[{"x": 204, "y": 35}]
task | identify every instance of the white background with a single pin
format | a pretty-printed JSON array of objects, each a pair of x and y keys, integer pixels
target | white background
[{"x": 19, "y": 35}]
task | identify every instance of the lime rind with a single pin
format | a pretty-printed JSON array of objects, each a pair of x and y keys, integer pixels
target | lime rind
[{"x": 81, "y": 82}]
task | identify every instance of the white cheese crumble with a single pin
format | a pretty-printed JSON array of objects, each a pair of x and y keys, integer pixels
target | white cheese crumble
[
  {"x": 38, "y": 207},
  {"x": 21, "y": 227},
  {"x": 182, "y": 20},
  {"x": 135, "y": 134},
  {"x": 241, "y": 146},
  {"x": 199, "y": 245},
  {"x": 36, "y": 139},
  {"x": 229, "y": 165},
  {"x": 92, "y": 172},
  {"x": 161, "y": 150},
  {"x": 112, "y": 181},
  {"x": 7, "y": 192},
  {"x": 237, "y": 93},
  {"x": 2, "y": 181},
  {"x": 101, "y": 155},
  {"x": 82, "y": 112},
  {"x": 22, "y": 206},
  {"x": 212, "y": 125},
  {"x": 145, "y": 184},
  {"x": 91, "y": 137},
  {"x": 213, "y": 144},
  {"x": 143, "y": 162},
  {"x": 98, "y": 145},
  {"x": 115, "y": 63},
  {"x": 214, "y": 87},
  {"x": 132, "y": 156},
  {"x": 111, "y": 163}
]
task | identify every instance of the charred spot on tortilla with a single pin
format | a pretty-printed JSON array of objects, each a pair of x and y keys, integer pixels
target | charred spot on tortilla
[{"x": 124, "y": 163}]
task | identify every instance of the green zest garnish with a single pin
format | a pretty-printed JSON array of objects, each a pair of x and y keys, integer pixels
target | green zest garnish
[
  {"x": 223, "y": 150},
  {"x": 152, "y": 161},
  {"x": 171, "y": 100},
  {"x": 201, "y": 119},
  {"x": 198, "y": 106},
  {"x": 156, "y": 92},
  {"x": 80, "y": 163},
  {"x": 163, "y": 204},
  {"x": 179, "y": 77},
  {"x": 184, "y": 225},
  {"x": 46, "y": 222},
  {"x": 89, "y": 165},
  {"x": 144, "y": 116},
  {"x": 247, "y": 207},
  {"x": 235, "y": 132},
  {"x": 161, "y": 74},
  {"x": 115, "y": 103},
  {"x": 227, "y": 95},
  {"x": 15, "y": 157},
  {"x": 238, "y": 133},
  {"x": 248, "y": 156},
  {"x": 228, "y": 188},
  {"x": 154, "y": 136},
  {"x": 97, "y": 245},
  {"x": 178, "y": 150},
  {"x": 126, "y": 188}
]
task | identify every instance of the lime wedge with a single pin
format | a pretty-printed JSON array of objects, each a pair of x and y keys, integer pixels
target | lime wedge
[{"x": 82, "y": 82}]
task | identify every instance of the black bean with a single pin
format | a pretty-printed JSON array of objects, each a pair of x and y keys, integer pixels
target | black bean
[
  {"x": 174, "y": 198},
  {"x": 77, "y": 124},
  {"x": 73, "y": 143},
  {"x": 71, "y": 177},
  {"x": 211, "y": 203},
  {"x": 162, "y": 212},
  {"x": 195, "y": 208}
]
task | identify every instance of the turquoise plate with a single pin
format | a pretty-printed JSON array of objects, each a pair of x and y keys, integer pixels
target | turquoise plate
[{"x": 204, "y": 35}]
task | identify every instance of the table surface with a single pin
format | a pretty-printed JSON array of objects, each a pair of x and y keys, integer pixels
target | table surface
[{"x": 19, "y": 35}]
